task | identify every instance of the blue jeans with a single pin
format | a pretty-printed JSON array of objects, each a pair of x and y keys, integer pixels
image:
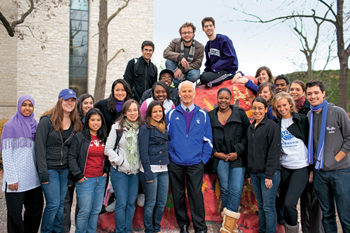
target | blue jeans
[
  {"x": 125, "y": 190},
  {"x": 156, "y": 194},
  {"x": 90, "y": 195},
  {"x": 231, "y": 184},
  {"x": 192, "y": 75},
  {"x": 266, "y": 200},
  {"x": 333, "y": 186},
  {"x": 55, "y": 192}
]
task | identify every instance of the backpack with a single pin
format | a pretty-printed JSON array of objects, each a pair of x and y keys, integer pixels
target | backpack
[
  {"x": 136, "y": 66},
  {"x": 119, "y": 136}
]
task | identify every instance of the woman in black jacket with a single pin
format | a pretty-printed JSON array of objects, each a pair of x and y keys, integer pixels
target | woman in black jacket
[
  {"x": 53, "y": 138},
  {"x": 112, "y": 106},
  {"x": 264, "y": 149},
  {"x": 88, "y": 166},
  {"x": 153, "y": 145},
  {"x": 229, "y": 127},
  {"x": 294, "y": 173},
  {"x": 297, "y": 91}
]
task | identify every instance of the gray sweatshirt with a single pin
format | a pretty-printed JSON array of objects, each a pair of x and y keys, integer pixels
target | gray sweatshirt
[{"x": 337, "y": 137}]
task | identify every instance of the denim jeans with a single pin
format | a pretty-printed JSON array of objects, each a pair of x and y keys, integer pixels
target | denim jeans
[
  {"x": 333, "y": 186},
  {"x": 125, "y": 190},
  {"x": 55, "y": 192},
  {"x": 231, "y": 184},
  {"x": 156, "y": 194},
  {"x": 90, "y": 195},
  {"x": 192, "y": 75},
  {"x": 266, "y": 200}
]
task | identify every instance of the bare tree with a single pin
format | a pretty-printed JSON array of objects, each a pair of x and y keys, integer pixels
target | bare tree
[
  {"x": 100, "y": 84},
  {"x": 343, "y": 50}
]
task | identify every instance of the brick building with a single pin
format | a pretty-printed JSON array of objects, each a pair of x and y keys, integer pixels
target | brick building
[{"x": 67, "y": 60}]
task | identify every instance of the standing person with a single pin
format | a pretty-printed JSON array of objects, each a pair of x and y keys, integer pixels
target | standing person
[
  {"x": 281, "y": 83},
  {"x": 154, "y": 147},
  {"x": 297, "y": 91},
  {"x": 229, "y": 126},
  {"x": 160, "y": 92},
  {"x": 88, "y": 167},
  {"x": 123, "y": 154},
  {"x": 20, "y": 180},
  {"x": 221, "y": 59},
  {"x": 166, "y": 76},
  {"x": 184, "y": 55},
  {"x": 190, "y": 147},
  {"x": 266, "y": 91},
  {"x": 53, "y": 138},
  {"x": 112, "y": 106},
  {"x": 264, "y": 149},
  {"x": 295, "y": 171},
  {"x": 85, "y": 103},
  {"x": 329, "y": 145},
  {"x": 141, "y": 73}
]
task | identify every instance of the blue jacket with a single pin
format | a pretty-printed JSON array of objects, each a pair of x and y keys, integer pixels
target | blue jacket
[
  {"x": 194, "y": 147},
  {"x": 153, "y": 146}
]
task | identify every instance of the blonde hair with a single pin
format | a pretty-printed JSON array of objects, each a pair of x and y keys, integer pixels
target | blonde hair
[
  {"x": 56, "y": 116},
  {"x": 278, "y": 97}
]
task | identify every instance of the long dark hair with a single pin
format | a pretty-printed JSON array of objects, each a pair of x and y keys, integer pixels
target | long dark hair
[
  {"x": 81, "y": 99},
  {"x": 271, "y": 89},
  {"x": 163, "y": 84},
  {"x": 268, "y": 71},
  {"x": 111, "y": 101},
  {"x": 101, "y": 132},
  {"x": 125, "y": 108},
  {"x": 148, "y": 117}
]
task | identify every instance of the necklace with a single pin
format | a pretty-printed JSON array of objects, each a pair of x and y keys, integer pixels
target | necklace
[{"x": 223, "y": 113}]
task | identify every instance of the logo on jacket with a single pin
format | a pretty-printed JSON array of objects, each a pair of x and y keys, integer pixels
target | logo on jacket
[
  {"x": 177, "y": 118},
  {"x": 331, "y": 129},
  {"x": 285, "y": 135},
  {"x": 198, "y": 121},
  {"x": 214, "y": 52}
]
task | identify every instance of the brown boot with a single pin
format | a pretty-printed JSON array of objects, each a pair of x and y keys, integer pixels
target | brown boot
[
  {"x": 229, "y": 223},
  {"x": 291, "y": 229}
]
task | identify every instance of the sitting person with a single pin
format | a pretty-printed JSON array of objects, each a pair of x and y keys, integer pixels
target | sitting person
[
  {"x": 184, "y": 55},
  {"x": 221, "y": 59},
  {"x": 166, "y": 76}
]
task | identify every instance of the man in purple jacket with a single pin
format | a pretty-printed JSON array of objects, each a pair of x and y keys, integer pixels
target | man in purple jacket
[{"x": 222, "y": 62}]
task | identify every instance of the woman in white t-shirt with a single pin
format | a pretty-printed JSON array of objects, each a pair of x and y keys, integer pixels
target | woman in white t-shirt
[{"x": 295, "y": 171}]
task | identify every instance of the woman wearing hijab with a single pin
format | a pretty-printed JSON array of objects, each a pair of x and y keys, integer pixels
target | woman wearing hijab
[{"x": 20, "y": 181}]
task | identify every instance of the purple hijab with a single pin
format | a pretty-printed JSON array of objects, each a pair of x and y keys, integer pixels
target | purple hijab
[{"x": 20, "y": 126}]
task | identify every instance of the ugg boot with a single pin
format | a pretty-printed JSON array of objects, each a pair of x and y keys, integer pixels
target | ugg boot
[
  {"x": 229, "y": 223},
  {"x": 291, "y": 229}
]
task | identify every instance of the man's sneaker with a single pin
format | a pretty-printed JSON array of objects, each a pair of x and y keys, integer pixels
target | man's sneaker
[
  {"x": 110, "y": 208},
  {"x": 141, "y": 199}
]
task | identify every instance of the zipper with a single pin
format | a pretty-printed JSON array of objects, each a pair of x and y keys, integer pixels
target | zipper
[
  {"x": 63, "y": 145},
  {"x": 146, "y": 77},
  {"x": 87, "y": 155}
]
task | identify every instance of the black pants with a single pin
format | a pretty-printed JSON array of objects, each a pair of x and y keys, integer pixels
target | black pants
[
  {"x": 293, "y": 183},
  {"x": 194, "y": 180},
  {"x": 68, "y": 201},
  {"x": 311, "y": 213},
  {"x": 212, "y": 79},
  {"x": 33, "y": 202}
]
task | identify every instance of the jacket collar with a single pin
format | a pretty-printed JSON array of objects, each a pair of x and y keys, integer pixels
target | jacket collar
[
  {"x": 144, "y": 61},
  {"x": 179, "y": 108},
  {"x": 295, "y": 117},
  {"x": 261, "y": 123},
  {"x": 234, "y": 117}
]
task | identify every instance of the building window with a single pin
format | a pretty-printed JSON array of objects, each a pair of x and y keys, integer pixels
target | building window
[{"x": 78, "y": 46}]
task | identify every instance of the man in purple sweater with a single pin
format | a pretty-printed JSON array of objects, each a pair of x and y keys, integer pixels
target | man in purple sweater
[{"x": 222, "y": 62}]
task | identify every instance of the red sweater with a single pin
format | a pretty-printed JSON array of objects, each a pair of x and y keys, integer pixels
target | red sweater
[{"x": 95, "y": 158}]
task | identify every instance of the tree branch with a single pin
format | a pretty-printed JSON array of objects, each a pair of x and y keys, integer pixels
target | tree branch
[
  {"x": 115, "y": 55},
  {"x": 116, "y": 13},
  {"x": 7, "y": 25},
  {"x": 21, "y": 20},
  {"x": 329, "y": 8}
]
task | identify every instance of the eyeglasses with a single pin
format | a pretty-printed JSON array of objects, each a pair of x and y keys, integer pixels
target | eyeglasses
[
  {"x": 166, "y": 78},
  {"x": 184, "y": 33},
  {"x": 257, "y": 109}
]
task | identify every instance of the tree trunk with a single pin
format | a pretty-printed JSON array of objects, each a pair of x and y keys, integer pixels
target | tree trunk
[
  {"x": 309, "y": 68},
  {"x": 101, "y": 75},
  {"x": 343, "y": 57}
]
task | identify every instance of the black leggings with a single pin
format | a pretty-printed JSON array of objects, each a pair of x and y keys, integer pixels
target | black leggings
[{"x": 293, "y": 183}]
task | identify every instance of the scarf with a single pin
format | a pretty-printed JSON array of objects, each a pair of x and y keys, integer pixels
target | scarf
[
  {"x": 19, "y": 127},
  {"x": 189, "y": 58},
  {"x": 131, "y": 142},
  {"x": 320, "y": 149},
  {"x": 159, "y": 125},
  {"x": 119, "y": 105},
  {"x": 300, "y": 103}
]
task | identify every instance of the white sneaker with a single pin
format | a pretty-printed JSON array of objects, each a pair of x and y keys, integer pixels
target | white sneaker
[
  {"x": 110, "y": 208},
  {"x": 141, "y": 200}
]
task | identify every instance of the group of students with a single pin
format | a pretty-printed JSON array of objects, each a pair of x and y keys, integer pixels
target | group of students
[{"x": 79, "y": 143}]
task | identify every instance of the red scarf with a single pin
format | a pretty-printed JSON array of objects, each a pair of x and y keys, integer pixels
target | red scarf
[{"x": 300, "y": 103}]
